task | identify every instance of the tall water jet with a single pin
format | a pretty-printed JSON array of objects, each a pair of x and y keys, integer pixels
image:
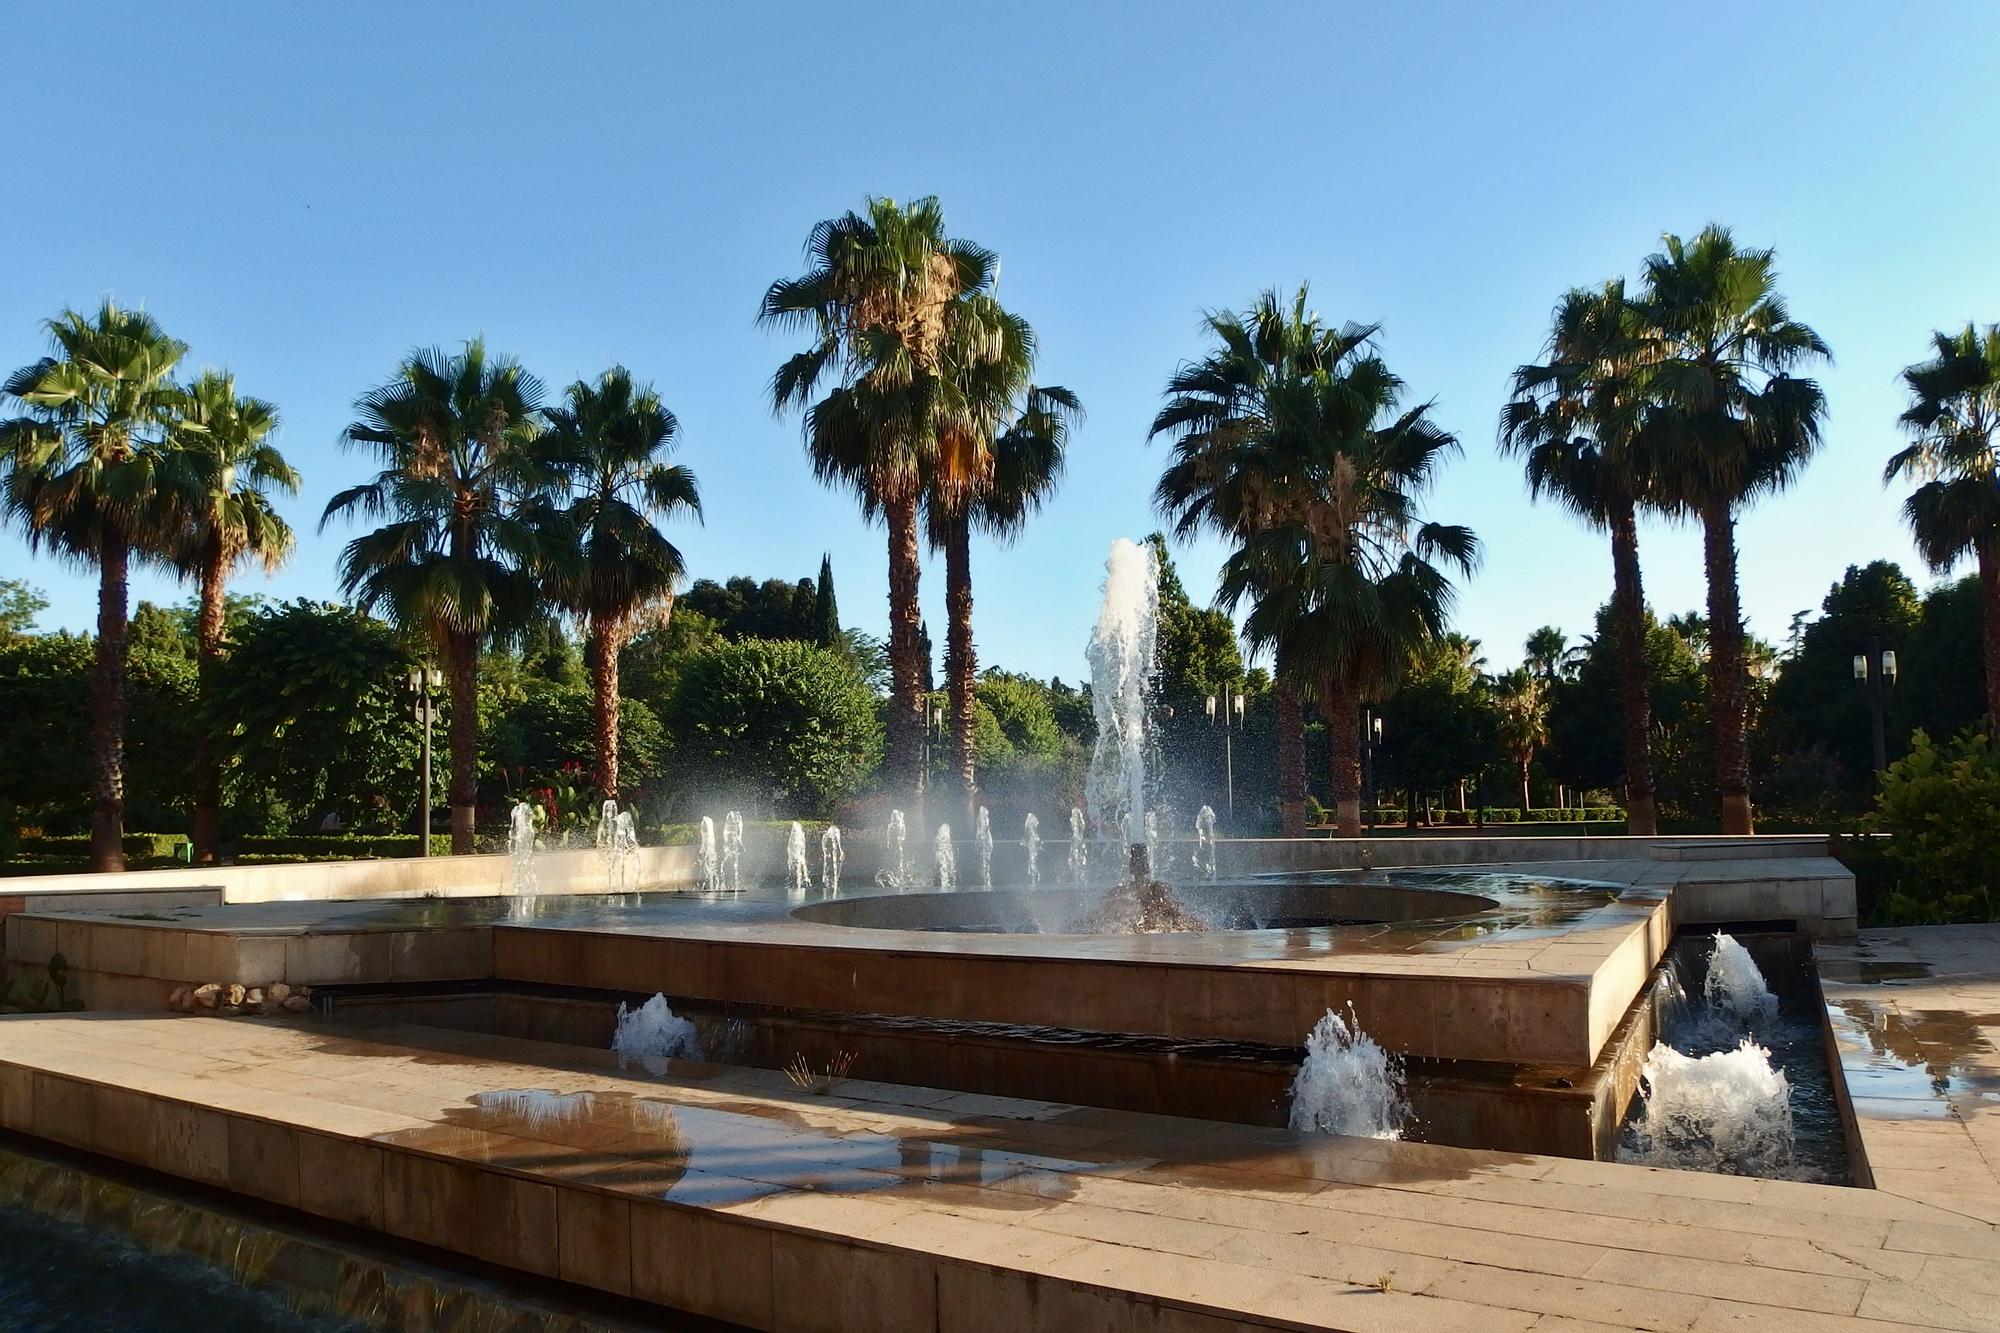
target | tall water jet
[
  {"x": 521, "y": 851},
  {"x": 731, "y": 863},
  {"x": 1121, "y": 655},
  {"x": 607, "y": 826},
  {"x": 947, "y": 860},
  {"x": 983, "y": 837},
  {"x": 653, "y": 1034},
  {"x": 1079, "y": 849},
  {"x": 1031, "y": 838},
  {"x": 894, "y": 873},
  {"x": 831, "y": 857},
  {"x": 795, "y": 861},
  {"x": 1348, "y": 1083},
  {"x": 1204, "y": 842},
  {"x": 1727, "y": 1111},
  {"x": 1156, "y": 864},
  {"x": 1736, "y": 988},
  {"x": 706, "y": 861},
  {"x": 624, "y": 876}
]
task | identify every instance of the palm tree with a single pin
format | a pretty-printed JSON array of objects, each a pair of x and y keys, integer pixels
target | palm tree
[
  {"x": 464, "y": 485},
  {"x": 1547, "y": 653},
  {"x": 1731, "y": 424},
  {"x": 222, "y": 473},
  {"x": 1231, "y": 474},
  {"x": 1576, "y": 421},
  {"x": 1523, "y": 703},
  {"x": 610, "y": 439},
  {"x": 82, "y": 464},
  {"x": 881, "y": 298},
  {"x": 1344, "y": 579},
  {"x": 1954, "y": 417}
]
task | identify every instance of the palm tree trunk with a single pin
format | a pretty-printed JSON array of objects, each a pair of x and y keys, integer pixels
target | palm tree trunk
[
  {"x": 1343, "y": 729},
  {"x": 207, "y": 765},
  {"x": 107, "y": 708},
  {"x": 1526, "y": 798},
  {"x": 904, "y": 769},
  {"x": 1989, "y": 593},
  {"x": 960, "y": 664},
  {"x": 1291, "y": 758},
  {"x": 1628, "y": 611},
  {"x": 605, "y": 637},
  {"x": 462, "y": 652},
  {"x": 1728, "y": 691}
]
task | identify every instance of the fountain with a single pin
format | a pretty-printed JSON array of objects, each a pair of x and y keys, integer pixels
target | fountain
[
  {"x": 607, "y": 825},
  {"x": 653, "y": 1034},
  {"x": 731, "y": 862},
  {"x": 1727, "y": 1111},
  {"x": 521, "y": 852},
  {"x": 1153, "y": 857},
  {"x": 1079, "y": 850},
  {"x": 894, "y": 873},
  {"x": 947, "y": 860},
  {"x": 624, "y": 853},
  {"x": 831, "y": 856},
  {"x": 1204, "y": 843},
  {"x": 1735, "y": 987},
  {"x": 795, "y": 861},
  {"x": 1031, "y": 838},
  {"x": 706, "y": 860},
  {"x": 983, "y": 836},
  {"x": 1348, "y": 1084}
]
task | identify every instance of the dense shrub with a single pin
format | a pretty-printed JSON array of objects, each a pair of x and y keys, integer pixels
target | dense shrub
[
  {"x": 1940, "y": 806},
  {"x": 340, "y": 846},
  {"x": 138, "y": 846}
]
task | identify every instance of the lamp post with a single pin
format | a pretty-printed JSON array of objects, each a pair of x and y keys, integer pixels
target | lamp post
[
  {"x": 1229, "y": 716},
  {"x": 1876, "y": 670},
  {"x": 1371, "y": 736},
  {"x": 423, "y": 682}
]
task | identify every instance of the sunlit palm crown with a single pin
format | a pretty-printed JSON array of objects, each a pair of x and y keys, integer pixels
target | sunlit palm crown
[
  {"x": 86, "y": 451},
  {"x": 465, "y": 487},
  {"x": 609, "y": 439},
  {"x": 1953, "y": 419},
  {"x": 220, "y": 473}
]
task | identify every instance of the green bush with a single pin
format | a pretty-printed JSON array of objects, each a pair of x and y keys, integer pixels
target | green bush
[
  {"x": 340, "y": 846},
  {"x": 1940, "y": 805},
  {"x": 137, "y": 846},
  {"x": 1501, "y": 814}
]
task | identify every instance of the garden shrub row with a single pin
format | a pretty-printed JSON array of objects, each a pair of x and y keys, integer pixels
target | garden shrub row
[
  {"x": 137, "y": 846},
  {"x": 265, "y": 847},
  {"x": 1506, "y": 814}
]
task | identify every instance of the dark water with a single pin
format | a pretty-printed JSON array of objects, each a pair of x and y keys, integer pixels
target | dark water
[{"x": 56, "y": 1275}]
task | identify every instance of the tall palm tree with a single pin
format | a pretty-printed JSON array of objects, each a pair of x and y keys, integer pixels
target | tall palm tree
[
  {"x": 1954, "y": 417},
  {"x": 611, "y": 440},
  {"x": 1576, "y": 419},
  {"x": 82, "y": 465},
  {"x": 222, "y": 475},
  {"x": 1231, "y": 474},
  {"x": 1730, "y": 423},
  {"x": 464, "y": 487},
  {"x": 1547, "y": 652},
  {"x": 1523, "y": 702},
  {"x": 880, "y": 300}
]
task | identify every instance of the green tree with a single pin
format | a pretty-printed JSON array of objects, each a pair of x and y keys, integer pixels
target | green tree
[
  {"x": 1575, "y": 421},
  {"x": 222, "y": 473},
  {"x": 792, "y": 719},
  {"x": 826, "y": 608},
  {"x": 1522, "y": 714},
  {"x": 610, "y": 440},
  {"x": 1586, "y": 749},
  {"x": 19, "y": 605},
  {"x": 1954, "y": 419},
  {"x": 743, "y": 608},
  {"x": 464, "y": 487},
  {"x": 1728, "y": 424},
  {"x": 1438, "y": 723},
  {"x": 82, "y": 467},
  {"x": 884, "y": 303}
]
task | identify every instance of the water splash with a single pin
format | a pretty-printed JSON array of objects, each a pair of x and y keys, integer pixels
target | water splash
[
  {"x": 1079, "y": 849},
  {"x": 831, "y": 857},
  {"x": 1727, "y": 1111},
  {"x": 1348, "y": 1084},
  {"x": 607, "y": 825},
  {"x": 624, "y": 854},
  {"x": 653, "y": 1034},
  {"x": 895, "y": 871},
  {"x": 1153, "y": 857},
  {"x": 947, "y": 860},
  {"x": 1736, "y": 988},
  {"x": 983, "y": 837},
  {"x": 1031, "y": 838},
  {"x": 1204, "y": 842},
  {"x": 521, "y": 852},
  {"x": 1121, "y": 655},
  {"x": 730, "y": 865},
  {"x": 795, "y": 861},
  {"x": 706, "y": 861}
]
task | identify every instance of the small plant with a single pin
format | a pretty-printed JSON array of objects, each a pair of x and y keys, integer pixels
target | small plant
[
  {"x": 819, "y": 1084},
  {"x": 1385, "y": 1282}
]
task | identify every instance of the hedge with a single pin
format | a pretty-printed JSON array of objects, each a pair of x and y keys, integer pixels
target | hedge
[
  {"x": 350, "y": 846},
  {"x": 137, "y": 846}
]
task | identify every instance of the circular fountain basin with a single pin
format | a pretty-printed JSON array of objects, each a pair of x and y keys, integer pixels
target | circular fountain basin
[{"x": 1242, "y": 905}]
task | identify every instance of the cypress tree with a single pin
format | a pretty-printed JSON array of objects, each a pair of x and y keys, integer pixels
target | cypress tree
[{"x": 828, "y": 608}]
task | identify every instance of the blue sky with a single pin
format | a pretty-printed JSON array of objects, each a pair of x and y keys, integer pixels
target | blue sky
[{"x": 304, "y": 193}]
